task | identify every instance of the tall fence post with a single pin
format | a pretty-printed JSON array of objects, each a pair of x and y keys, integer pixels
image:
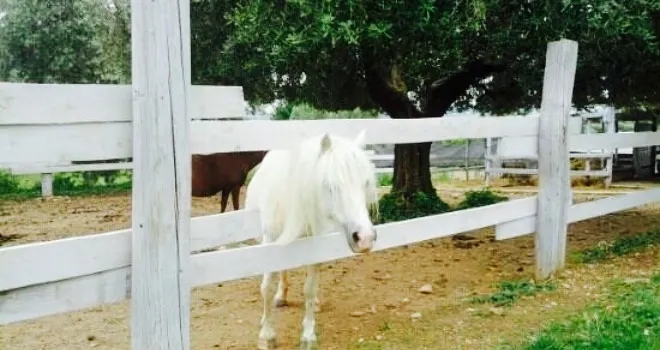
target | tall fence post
[
  {"x": 160, "y": 288},
  {"x": 554, "y": 194}
]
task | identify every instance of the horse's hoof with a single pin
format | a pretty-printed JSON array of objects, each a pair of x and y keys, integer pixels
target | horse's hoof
[
  {"x": 280, "y": 303},
  {"x": 266, "y": 344},
  {"x": 308, "y": 344}
]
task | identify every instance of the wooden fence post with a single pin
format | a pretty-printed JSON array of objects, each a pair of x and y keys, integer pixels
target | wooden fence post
[
  {"x": 160, "y": 288},
  {"x": 609, "y": 118},
  {"x": 554, "y": 194},
  {"x": 46, "y": 185}
]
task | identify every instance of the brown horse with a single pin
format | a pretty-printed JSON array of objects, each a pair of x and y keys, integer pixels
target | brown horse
[{"x": 222, "y": 172}]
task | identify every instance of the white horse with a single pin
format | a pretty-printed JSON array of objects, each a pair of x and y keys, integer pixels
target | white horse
[{"x": 326, "y": 184}]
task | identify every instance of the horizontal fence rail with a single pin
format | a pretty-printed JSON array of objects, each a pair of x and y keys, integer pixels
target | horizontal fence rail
[
  {"x": 579, "y": 212},
  {"x": 56, "y": 144},
  {"x": 51, "y": 277},
  {"x": 100, "y": 103}
]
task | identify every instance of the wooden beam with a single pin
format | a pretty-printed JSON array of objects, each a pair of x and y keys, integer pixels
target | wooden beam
[
  {"x": 160, "y": 288},
  {"x": 554, "y": 195}
]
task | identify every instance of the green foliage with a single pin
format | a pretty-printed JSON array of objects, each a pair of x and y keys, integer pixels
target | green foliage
[
  {"x": 307, "y": 112},
  {"x": 395, "y": 207},
  {"x": 52, "y": 41},
  {"x": 629, "y": 319},
  {"x": 508, "y": 292},
  {"x": 454, "y": 142},
  {"x": 385, "y": 179},
  {"x": 283, "y": 112},
  {"x": 304, "y": 111},
  {"x": 7, "y": 183},
  {"x": 11, "y": 187},
  {"x": 69, "y": 184},
  {"x": 619, "y": 247},
  {"x": 479, "y": 198},
  {"x": 322, "y": 48},
  {"x": 82, "y": 183}
]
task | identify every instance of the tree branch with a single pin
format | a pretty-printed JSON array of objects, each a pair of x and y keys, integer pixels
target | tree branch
[
  {"x": 444, "y": 92},
  {"x": 394, "y": 103}
]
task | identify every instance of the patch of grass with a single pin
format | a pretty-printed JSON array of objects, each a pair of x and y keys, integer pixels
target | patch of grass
[
  {"x": 21, "y": 187},
  {"x": 618, "y": 247},
  {"x": 629, "y": 319},
  {"x": 479, "y": 198},
  {"x": 441, "y": 177},
  {"x": 508, "y": 292},
  {"x": 385, "y": 179}
]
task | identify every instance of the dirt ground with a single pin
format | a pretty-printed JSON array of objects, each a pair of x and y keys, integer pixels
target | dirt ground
[{"x": 384, "y": 285}]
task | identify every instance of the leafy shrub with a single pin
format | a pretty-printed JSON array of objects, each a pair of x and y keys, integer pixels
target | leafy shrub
[
  {"x": 82, "y": 183},
  {"x": 394, "y": 206},
  {"x": 307, "y": 112},
  {"x": 479, "y": 198},
  {"x": 283, "y": 112},
  {"x": 8, "y": 185},
  {"x": 66, "y": 182}
]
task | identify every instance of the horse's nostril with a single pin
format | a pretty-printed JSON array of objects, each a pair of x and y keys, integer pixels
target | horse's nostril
[{"x": 355, "y": 237}]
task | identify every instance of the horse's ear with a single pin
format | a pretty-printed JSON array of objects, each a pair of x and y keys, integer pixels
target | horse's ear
[
  {"x": 360, "y": 139},
  {"x": 326, "y": 143}
]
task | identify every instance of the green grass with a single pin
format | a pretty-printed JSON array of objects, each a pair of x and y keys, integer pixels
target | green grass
[
  {"x": 618, "y": 247},
  {"x": 508, "y": 292},
  {"x": 21, "y": 187},
  {"x": 628, "y": 319}
]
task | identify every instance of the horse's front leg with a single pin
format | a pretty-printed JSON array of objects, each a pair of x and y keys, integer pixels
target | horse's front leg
[
  {"x": 267, "y": 332},
  {"x": 282, "y": 289},
  {"x": 308, "y": 338}
]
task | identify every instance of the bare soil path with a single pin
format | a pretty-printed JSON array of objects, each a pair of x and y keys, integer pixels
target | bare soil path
[{"x": 383, "y": 285}]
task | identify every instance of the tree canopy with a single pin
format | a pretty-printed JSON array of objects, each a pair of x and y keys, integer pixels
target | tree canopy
[
  {"x": 410, "y": 59},
  {"x": 64, "y": 41},
  {"x": 346, "y": 49}
]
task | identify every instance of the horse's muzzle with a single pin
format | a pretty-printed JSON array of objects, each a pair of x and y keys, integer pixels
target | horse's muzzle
[{"x": 361, "y": 241}]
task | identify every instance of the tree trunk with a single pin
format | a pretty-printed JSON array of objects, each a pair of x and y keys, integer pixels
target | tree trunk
[{"x": 412, "y": 171}]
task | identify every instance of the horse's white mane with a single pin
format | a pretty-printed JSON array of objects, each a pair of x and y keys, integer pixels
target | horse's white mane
[{"x": 320, "y": 161}]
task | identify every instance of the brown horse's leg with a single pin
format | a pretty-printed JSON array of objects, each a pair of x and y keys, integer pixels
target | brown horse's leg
[
  {"x": 235, "y": 196},
  {"x": 223, "y": 200}
]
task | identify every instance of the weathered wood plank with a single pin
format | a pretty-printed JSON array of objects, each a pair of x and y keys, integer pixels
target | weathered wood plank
[
  {"x": 553, "y": 147},
  {"x": 618, "y": 140},
  {"x": 325, "y": 248},
  {"x": 578, "y": 212},
  {"x": 160, "y": 288},
  {"x": 255, "y": 260},
  {"x": 102, "y": 103},
  {"x": 65, "y": 296},
  {"x": 44, "y": 262},
  {"x": 229, "y": 136},
  {"x": 26, "y": 145}
]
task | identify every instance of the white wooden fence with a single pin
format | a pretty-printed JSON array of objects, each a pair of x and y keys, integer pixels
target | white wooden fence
[
  {"x": 525, "y": 149},
  {"x": 152, "y": 264}
]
